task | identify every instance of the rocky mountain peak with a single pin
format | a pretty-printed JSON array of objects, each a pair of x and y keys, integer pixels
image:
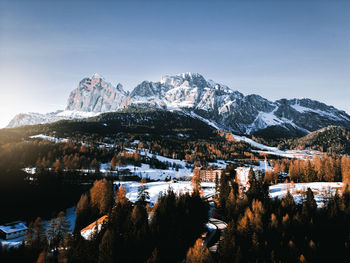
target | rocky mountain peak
[
  {"x": 95, "y": 94},
  {"x": 97, "y": 76},
  {"x": 209, "y": 100},
  {"x": 185, "y": 79}
]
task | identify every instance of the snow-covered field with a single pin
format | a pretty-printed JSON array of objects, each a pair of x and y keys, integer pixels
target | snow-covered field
[
  {"x": 155, "y": 189},
  {"x": 321, "y": 190},
  {"x": 48, "y": 138},
  {"x": 155, "y": 174},
  {"x": 301, "y": 154}
]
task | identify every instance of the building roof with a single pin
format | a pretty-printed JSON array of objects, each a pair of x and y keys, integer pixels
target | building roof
[
  {"x": 13, "y": 227},
  {"x": 208, "y": 168},
  {"x": 96, "y": 225}
]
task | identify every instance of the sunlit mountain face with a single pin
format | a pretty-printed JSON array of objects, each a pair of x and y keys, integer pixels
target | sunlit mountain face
[
  {"x": 193, "y": 94},
  {"x": 145, "y": 164}
]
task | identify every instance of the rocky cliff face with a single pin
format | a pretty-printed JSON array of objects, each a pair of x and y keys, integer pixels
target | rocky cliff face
[
  {"x": 216, "y": 103},
  {"x": 96, "y": 95},
  {"x": 230, "y": 109}
]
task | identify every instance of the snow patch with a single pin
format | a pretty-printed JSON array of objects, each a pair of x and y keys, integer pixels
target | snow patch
[{"x": 321, "y": 191}]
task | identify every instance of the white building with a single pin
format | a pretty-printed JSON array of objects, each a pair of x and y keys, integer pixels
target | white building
[
  {"x": 13, "y": 230},
  {"x": 242, "y": 176}
]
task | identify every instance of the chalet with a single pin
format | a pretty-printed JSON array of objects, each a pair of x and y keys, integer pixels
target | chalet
[
  {"x": 13, "y": 230},
  {"x": 88, "y": 231},
  {"x": 208, "y": 174}
]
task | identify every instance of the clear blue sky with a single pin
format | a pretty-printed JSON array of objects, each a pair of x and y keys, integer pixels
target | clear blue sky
[{"x": 276, "y": 49}]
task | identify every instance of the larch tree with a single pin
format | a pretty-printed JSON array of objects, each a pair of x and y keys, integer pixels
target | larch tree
[
  {"x": 101, "y": 195},
  {"x": 113, "y": 163},
  {"x": 196, "y": 180},
  {"x": 121, "y": 196},
  {"x": 42, "y": 257},
  {"x": 199, "y": 253},
  {"x": 57, "y": 166},
  {"x": 345, "y": 170}
]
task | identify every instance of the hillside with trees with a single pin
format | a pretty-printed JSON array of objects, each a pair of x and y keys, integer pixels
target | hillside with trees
[
  {"x": 331, "y": 139},
  {"x": 64, "y": 171}
]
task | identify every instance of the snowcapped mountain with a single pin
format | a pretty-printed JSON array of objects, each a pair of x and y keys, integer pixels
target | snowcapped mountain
[
  {"x": 232, "y": 110},
  {"x": 205, "y": 99},
  {"x": 96, "y": 95}
]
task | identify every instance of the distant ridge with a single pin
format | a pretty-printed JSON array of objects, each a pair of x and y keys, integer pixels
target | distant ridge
[{"x": 193, "y": 94}]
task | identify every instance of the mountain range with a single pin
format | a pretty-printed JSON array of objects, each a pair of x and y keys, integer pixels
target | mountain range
[{"x": 206, "y": 100}]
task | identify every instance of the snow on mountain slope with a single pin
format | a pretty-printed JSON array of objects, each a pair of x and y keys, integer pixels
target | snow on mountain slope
[
  {"x": 300, "y": 154},
  {"x": 255, "y": 144},
  {"x": 191, "y": 92},
  {"x": 23, "y": 119},
  {"x": 214, "y": 125},
  {"x": 232, "y": 110}
]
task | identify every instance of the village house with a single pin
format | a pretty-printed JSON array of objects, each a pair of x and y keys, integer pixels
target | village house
[{"x": 13, "y": 230}]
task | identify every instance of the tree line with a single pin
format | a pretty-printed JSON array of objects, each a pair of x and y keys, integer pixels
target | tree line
[
  {"x": 327, "y": 168},
  {"x": 261, "y": 229},
  {"x": 134, "y": 232}
]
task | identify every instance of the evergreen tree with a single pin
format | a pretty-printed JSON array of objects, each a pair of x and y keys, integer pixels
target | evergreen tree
[
  {"x": 39, "y": 235},
  {"x": 52, "y": 234},
  {"x": 82, "y": 213},
  {"x": 63, "y": 226},
  {"x": 143, "y": 194},
  {"x": 95, "y": 165},
  {"x": 29, "y": 236},
  {"x": 57, "y": 230},
  {"x": 217, "y": 185},
  {"x": 224, "y": 190},
  {"x": 309, "y": 206},
  {"x": 227, "y": 246},
  {"x": 251, "y": 175},
  {"x": 106, "y": 248}
]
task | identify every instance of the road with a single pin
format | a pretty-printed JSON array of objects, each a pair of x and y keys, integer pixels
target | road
[{"x": 213, "y": 244}]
